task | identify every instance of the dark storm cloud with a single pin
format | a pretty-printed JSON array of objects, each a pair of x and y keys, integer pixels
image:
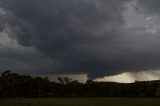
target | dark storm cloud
[
  {"x": 151, "y": 5},
  {"x": 81, "y": 36}
]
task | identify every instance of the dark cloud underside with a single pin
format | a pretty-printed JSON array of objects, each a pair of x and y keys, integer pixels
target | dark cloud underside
[{"x": 97, "y": 37}]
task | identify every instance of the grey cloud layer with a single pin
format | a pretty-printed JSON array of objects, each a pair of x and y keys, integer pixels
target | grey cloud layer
[{"x": 86, "y": 36}]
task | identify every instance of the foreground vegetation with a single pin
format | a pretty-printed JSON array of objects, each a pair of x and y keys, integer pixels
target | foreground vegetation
[
  {"x": 24, "y": 86},
  {"x": 81, "y": 102}
]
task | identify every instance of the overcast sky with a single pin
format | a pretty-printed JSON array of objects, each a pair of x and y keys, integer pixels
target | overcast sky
[{"x": 94, "y": 37}]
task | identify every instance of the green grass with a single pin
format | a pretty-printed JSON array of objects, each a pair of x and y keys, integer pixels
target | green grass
[{"x": 81, "y": 102}]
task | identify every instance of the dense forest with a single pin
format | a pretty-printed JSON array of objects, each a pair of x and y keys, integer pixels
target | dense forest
[{"x": 15, "y": 85}]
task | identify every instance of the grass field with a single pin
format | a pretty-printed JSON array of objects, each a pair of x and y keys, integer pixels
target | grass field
[{"x": 81, "y": 102}]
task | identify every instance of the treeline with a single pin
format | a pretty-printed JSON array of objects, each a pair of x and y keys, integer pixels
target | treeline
[{"x": 15, "y": 85}]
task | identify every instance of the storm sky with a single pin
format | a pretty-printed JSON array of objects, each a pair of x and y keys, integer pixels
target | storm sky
[{"x": 94, "y": 37}]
